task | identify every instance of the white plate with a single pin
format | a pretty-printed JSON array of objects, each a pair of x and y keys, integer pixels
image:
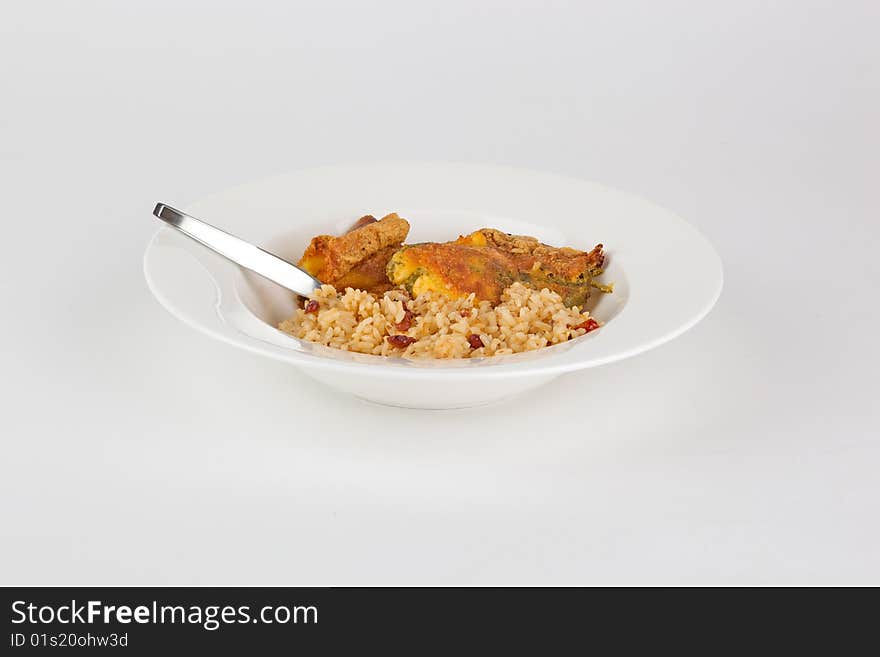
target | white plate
[{"x": 666, "y": 274}]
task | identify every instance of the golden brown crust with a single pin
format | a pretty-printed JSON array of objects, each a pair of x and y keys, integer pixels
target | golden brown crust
[
  {"x": 489, "y": 260},
  {"x": 370, "y": 274},
  {"x": 561, "y": 261},
  {"x": 455, "y": 270},
  {"x": 330, "y": 258}
]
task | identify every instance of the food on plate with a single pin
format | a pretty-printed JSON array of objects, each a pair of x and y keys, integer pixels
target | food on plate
[
  {"x": 358, "y": 258},
  {"x": 488, "y": 261},
  {"x": 485, "y": 294}
]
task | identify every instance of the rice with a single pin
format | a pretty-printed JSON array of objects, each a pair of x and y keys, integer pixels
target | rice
[{"x": 433, "y": 326}]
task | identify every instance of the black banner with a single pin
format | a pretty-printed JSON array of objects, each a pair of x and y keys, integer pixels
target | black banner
[
  {"x": 152, "y": 621},
  {"x": 242, "y": 620}
]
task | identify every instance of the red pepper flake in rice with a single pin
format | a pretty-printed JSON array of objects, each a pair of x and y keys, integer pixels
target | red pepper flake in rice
[
  {"x": 312, "y": 306},
  {"x": 475, "y": 341},
  {"x": 400, "y": 341},
  {"x": 465, "y": 312},
  {"x": 405, "y": 323},
  {"x": 588, "y": 325}
]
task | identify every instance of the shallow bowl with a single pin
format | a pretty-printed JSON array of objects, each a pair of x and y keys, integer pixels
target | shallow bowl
[{"x": 666, "y": 275}]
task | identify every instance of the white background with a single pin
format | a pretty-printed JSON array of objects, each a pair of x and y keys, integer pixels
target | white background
[{"x": 137, "y": 451}]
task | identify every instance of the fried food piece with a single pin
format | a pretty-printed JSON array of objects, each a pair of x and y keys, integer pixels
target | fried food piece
[
  {"x": 359, "y": 257},
  {"x": 453, "y": 270},
  {"x": 489, "y": 260},
  {"x": 369, "y": 275},
  {"x": 563, "y": 262}
]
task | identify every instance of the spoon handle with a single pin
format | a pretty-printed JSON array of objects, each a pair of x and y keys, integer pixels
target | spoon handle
[{"x": 242, "y": 253}]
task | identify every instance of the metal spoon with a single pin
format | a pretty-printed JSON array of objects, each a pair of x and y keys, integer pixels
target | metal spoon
[{"x": 242, "y": 253}]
